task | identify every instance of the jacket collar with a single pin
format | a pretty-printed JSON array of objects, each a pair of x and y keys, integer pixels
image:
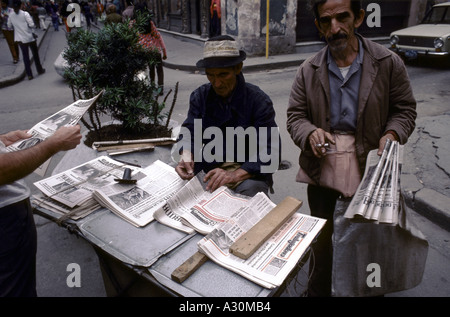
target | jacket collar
[{"x": 374, "y": 51}]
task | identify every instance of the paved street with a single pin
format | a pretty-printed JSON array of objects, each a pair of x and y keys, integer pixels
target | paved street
[{"x": 28, "y": 102}]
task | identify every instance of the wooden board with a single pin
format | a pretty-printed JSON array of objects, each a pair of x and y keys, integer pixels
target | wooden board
[
  {"x": 246, "y": 245},
  {"x": 188, "y": 267}
]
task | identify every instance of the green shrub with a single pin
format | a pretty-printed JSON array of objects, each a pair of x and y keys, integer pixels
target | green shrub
[{"x": 110, "y": 60}]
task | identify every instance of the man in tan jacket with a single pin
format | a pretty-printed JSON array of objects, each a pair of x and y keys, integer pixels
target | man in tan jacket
[{"x": 352, "y": 86}]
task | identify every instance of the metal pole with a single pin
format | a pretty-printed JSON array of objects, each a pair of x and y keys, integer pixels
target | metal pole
[{"x": 267, "y": 27}]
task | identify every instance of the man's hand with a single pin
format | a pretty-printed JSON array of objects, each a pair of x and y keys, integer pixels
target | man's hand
[
  {"x": 219, "y": 177},
  {"x": 14, "y": 136},
  {"x": 383, "y": 140},
  {"x": 317, "y": 139},
  {"x": 65, "y": 138},
  {"x": 185, "y": 167}
]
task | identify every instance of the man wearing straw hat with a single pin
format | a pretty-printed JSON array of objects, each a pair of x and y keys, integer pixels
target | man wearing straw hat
[{"x": 230, "y": 131}]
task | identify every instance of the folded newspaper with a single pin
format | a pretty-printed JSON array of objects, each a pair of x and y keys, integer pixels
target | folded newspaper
[
  {"x": 193, "y": 208},
  {"x": 275, "y": 258},
  {"x": 69, "y": 116},
  {"x": 137, "y": 203},
  {"x": 377, "y": 196},
  {"x": 70, "y": 193}
]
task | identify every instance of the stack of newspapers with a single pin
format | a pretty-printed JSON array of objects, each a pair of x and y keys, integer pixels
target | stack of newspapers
[
  {"x": 70, "y": 193},
  {"x": 378, "y": 194}
]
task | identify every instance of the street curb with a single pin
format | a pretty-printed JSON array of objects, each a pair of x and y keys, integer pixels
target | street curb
[
  {"x": 19, "y": 72},
  {"x": 430, "y": 204},
  {"x": 246, "y": 68}
]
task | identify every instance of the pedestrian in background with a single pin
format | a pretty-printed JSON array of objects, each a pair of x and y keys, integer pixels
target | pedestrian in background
[
  {"x": 42, "y": 14},
  {"x": 55, "y": 18},
  {"x": 23, "y": 25},
  {"x": 152, "y": 40},
  {"x": 215, "y": 18},
  {"x": 353, "y": 88},
  {"x": 112, "y": 16},
  {"x": 8, "y": 32}
]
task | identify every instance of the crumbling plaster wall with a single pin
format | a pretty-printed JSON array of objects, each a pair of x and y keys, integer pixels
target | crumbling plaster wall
[{"x": 250, "y": 30}]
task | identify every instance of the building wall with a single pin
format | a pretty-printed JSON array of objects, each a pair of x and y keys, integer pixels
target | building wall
[{"x": 245, "y": 20}]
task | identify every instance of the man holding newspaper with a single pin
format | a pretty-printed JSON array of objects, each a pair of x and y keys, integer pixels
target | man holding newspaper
[
  {"x": 348, "y": 99},
  {"x": 18, "y": 231}
]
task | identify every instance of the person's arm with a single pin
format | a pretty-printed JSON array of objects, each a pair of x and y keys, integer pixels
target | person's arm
[
  {"x": 29, "y": 20},
  {"x": 18, "y": 164},
  {"x": 402, "y": 107}
]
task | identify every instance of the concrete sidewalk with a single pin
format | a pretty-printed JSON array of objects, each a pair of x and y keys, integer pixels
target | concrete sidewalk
[{"x": 429, "y": 197}]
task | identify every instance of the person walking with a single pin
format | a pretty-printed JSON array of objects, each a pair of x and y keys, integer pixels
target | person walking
[
  {"x": 23, "y": 34},
  {"x": 8, "y": 32},
  {"x": 42, "y": 14},
  {"x": 152, "y": 40}
]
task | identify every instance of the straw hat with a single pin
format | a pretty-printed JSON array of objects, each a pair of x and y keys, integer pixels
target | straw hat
[{"x": 220, "y": 52}]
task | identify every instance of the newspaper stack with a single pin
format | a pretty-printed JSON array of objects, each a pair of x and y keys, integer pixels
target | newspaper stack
[
  {"x": 377, "y": 196},
  {"x": 275, "y": 258},
  {"x": 137, "y": 203},
  {"x": 70, "y": 193}
]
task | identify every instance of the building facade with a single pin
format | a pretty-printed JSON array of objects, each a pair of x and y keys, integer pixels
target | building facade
[{"x": 290, "y": 21}]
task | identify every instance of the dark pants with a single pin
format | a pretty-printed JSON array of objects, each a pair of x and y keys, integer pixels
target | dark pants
[
  {"x": 18, "y": 246},
  {"x": 26, "y": 57},
  {"x": 322, "y": 202},
  {"x": 250, "y": 187},
  {"x": 158, "y": 65}
]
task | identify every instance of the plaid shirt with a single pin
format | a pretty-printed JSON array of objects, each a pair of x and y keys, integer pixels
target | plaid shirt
[{"x": 153, "y": 41}]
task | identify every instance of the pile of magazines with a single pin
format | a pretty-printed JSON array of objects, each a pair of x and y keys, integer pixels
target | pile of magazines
[{"x": 378, "y": 194}]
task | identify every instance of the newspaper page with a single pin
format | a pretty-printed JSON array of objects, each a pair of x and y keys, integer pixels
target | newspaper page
[
  {"x": 390, "y": 210},
  {"x": 275, "y": 259},
  {"x": 194, "y": 208},
  {"x": 69, "y": 116},
  {"x": 362, "y": 198},
  {"x": 75, "y": 186},
  {"x": 378, "y": 195},
  {"x": 171, "y": 212},
  {"x": 138, "y": 202}
]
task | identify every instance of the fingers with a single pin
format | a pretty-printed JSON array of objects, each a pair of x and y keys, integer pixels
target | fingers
[
  {"x": 67, "y": 138},
  {"x": 216, "y": 178},
  {"x": 382, "y": 142},
  {"x": 185, "y": 167},
  {"x": 318, "y": 140}
]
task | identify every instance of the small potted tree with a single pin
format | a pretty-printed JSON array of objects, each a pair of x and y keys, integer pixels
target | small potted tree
[{"x": 112, "y": 60}]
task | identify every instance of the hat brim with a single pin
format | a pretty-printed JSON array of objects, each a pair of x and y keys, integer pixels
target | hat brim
[{"x": 221, "y": 62}]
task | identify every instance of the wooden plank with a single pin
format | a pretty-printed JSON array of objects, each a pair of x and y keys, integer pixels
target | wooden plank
[
  {"x": 248, "y": 243},
  {"x": 188, "y": 267}
]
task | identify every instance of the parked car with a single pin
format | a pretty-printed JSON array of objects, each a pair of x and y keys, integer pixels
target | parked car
[{"x": 430, "y": 38}]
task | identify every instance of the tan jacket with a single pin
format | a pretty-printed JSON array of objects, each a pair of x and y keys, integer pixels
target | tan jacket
[{"x": 386, "y": 102}]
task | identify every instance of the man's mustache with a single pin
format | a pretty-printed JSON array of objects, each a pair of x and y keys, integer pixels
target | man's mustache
[{"x": 338, "y": 36}]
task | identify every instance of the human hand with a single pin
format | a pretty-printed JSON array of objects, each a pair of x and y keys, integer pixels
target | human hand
[
  {"x": 317, "y": 140},
  {"x": 382, "y": 142},
  {"x": 66, "y": 138},
  {"x": 218, "y": 177},
  {"x": 185, "y": 167},
  {"x": 14, "y": 136}
]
